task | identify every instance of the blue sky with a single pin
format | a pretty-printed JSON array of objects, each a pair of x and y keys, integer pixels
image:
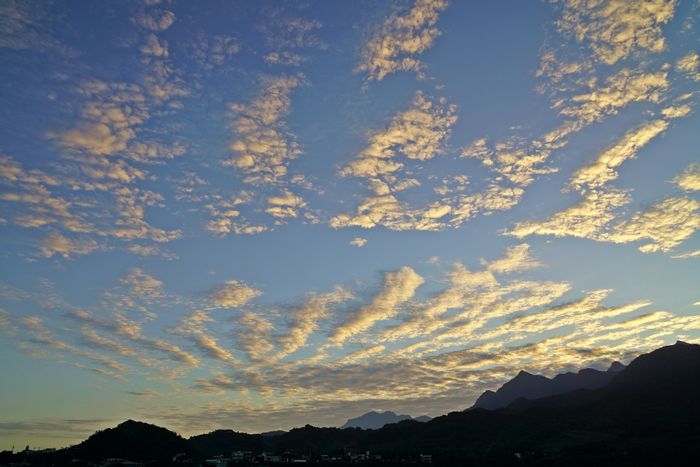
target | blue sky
[{"x": 256, "y": 215}]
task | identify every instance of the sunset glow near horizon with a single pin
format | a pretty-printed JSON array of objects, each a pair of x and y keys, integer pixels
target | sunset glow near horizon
[{"x": 258, "y": 215}]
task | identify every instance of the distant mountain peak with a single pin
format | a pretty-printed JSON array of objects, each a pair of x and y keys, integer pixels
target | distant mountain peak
[{"x": 374, "y": 420}]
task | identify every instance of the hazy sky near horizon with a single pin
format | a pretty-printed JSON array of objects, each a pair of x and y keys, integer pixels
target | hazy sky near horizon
[{"x": 261, "y": 214}]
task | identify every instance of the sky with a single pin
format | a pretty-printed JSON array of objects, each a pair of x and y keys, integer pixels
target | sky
[{"x": 256, "y": 215}]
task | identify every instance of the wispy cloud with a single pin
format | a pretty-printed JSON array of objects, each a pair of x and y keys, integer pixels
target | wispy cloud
[
  {"x": 603, "y": 169},
  {"x": 399, "y": 287},
  {"x": 233, "y": 294},
  {"x": 359, "y": 242},
  {"x": 404, "y": 35},
  {"x": 417, "y": 133},
  {"x": 616, "y": 30},
  {"x": 665, "y": 224},
  {"x": 57, "y": 244},
  {"x": 304, "y": 320},
  {"x": 690, "y": 65}
]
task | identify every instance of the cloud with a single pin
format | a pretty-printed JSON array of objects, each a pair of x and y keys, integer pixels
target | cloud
[
  {"x": 26, "y": 25},
  {"x": 498, "y": 302},
  {"x": 100, "y": 153},
  {"x": 288, "y": 37},
  {"x": 63, "y": 431},
  {"x": 130, "y": 223},
  {"x": 142, "y": 285},
  {"x": 586, "y": 219},
  {"x": 585, "y": 315},
  {"x": 443, "y": 378},
  {"x": 399, "y": 287},
  {"x": 689, "y": 254},
  {"x": 479, "y": 149},
  {"x": 359, "y": 242},
  {"x": 133, "y": 302},
  {"x": 389, "y": 212},
  {"x": 254, "y": 336},
  {"x": 666, "y": 224},
  {"x": 453, "y": 184},
  {"x": 451, "y": 211},
  {"x": 614, "y": 30},
  {"x": 151, "y": 250},
  {"x": 155, "y": 47},
  {"x": 284, "y": 205},
  {"x": 233, "y": 294},
  {"x": 227, "y": 218},
  {"x": 57, "y": 244},
  {"x": 492, "y": 199},
  {"x": 362, "y": 354},
  {"x": 304, "y": 320},
  {"x": 603, "y": 169},
  {"x": 462, "y": 284},
  {"x": 211, "y": 51},
  {"x": 417, "y": 134},
  {"x": 690, "y": 65},
  {"x": 394, "y": 46},
  {"x": 195, "y": 328},
  {"x": 556, "y": 71},
  {"x": 689, "y": 180},
  {"x": 211, "y": 347},
  {"x": 132, "y": 331},
  {"x": 517, "y": 258},
  {"x": 156, "y": 21},
  {"x": 107, "y": 335},
  {"x": 109, "y": 123},
  {"x": 40, "y": 335},
  {"x": 621, "y": 89},
  {"x": 145, "y": 393},
  {"x": 41, "y": 206},
  {"x": 94, "y": 340},
  {"x": 263, "y": 146},
  {"x": 284, "y": 58},
  {"x": 513, "y": 160},
  {"x": 218, "y": 383}
]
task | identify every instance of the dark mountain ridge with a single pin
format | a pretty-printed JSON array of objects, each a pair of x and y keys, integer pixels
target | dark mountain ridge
[
  {"x": 528, "y": 386},
  {"x": 649, "y": 414}
]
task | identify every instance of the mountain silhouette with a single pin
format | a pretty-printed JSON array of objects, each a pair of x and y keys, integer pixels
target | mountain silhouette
[
  {"x": 528, "y": 386},
  {"x": 669, "y": 368},
  {"x": 375, "y": 420},
  {"x": 648, "y": 414},
  {"x": 131, "y": 440}
]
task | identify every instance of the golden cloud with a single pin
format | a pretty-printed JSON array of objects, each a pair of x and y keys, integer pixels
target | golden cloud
[{"x": 402, "y": 36}]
